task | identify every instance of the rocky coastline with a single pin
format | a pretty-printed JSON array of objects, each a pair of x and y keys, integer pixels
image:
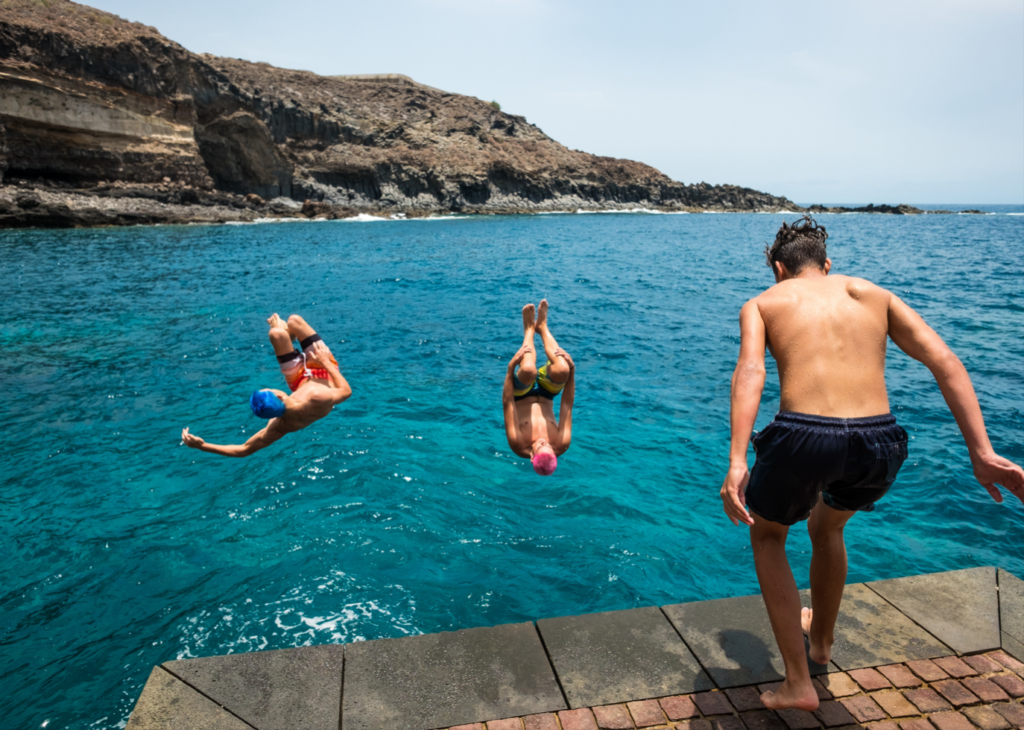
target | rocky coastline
[{"x": 107, "y": 122}]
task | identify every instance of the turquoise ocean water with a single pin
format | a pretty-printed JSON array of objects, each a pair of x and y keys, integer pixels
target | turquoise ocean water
[{"x": 404, "y": 511}]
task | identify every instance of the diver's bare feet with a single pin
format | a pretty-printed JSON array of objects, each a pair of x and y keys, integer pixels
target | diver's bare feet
[
  {"x": 276, "y": 322},
  {"x": 542, "y": 314},
  {"x": 819, "y": 653},
  {"x": 803, "y": 697},
  {"x": 528, "y": 317}
]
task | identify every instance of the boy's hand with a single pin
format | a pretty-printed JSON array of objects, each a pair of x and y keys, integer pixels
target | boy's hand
[
  {"x": 193, "y": 442},
  {"x": 518, "y": 357},
  {"x": 566, "y": 356},
  {"x": 321, "y": 352},
  {"x": 994, "y": 470},
  {"x": 734, "y": 499}
]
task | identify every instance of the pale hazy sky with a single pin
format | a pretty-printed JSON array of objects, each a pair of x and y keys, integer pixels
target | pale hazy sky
[{"x": 884, "y": 101}]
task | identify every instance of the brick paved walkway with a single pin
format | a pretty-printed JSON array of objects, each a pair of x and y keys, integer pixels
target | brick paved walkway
[{"x": 983, "y": 692}]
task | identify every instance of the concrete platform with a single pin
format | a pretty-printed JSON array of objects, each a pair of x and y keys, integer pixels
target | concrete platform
[{"x": 700, "y": 664}]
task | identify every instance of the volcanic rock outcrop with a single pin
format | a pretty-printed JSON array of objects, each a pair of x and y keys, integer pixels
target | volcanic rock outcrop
[{"x": 97, "y": 112}]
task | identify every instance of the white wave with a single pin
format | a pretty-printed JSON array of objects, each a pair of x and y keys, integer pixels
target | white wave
[
  {"x": 1015, "y": 214},
  {"x": 364, "y": 218},
  {"x": 649, "y": 211}
]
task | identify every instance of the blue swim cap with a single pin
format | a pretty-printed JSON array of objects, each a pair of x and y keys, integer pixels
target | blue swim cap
[{"x": 266, "y": 405}]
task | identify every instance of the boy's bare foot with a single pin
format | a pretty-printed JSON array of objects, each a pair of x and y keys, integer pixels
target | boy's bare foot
[
  {"x": 542, "y": 314},
  {"x": 528, "y": 314},
  {"x": 276, "y": 322},
  {"x": 819, "y": 653},
  {"x": 802, "y": 698}
]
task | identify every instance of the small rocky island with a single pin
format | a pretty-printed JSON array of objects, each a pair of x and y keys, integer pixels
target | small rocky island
[{"x": 106, "y": 122}]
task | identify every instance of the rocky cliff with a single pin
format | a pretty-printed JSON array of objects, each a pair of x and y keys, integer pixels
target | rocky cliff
[{"x": 95, "y": 109}]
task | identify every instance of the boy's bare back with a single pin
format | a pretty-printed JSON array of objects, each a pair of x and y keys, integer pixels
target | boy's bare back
[{"x": 828, "y": 336}]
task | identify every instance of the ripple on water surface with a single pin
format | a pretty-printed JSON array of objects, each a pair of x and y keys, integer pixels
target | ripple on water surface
[{"x": 404, "y": 512}]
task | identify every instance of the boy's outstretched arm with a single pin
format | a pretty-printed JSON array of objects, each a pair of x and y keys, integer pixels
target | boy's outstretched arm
[
  {"x": 913, "y": 335},
  {"x": 508, "y": 403},
  {"x": 747, "y": 386},
  {"x": 568, "y": 398},
  {"x": 259, "y": 440}
]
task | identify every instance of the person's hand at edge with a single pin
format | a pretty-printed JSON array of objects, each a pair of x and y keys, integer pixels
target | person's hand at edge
[
  {"x": 193, "y": 442},
  {"x": 568, "y": 358},
  {"x": 518, "y": 357},
  {"x": 734, "y": 499},
  {"x": 993, "y": 471}
]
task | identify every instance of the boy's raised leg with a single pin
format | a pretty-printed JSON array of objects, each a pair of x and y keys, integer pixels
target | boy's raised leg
[
  {"x": 558, "y": 371},
  {"x": 828, "y": 577},
  {"x": 280, "y": 338},
  {"x": 781, "y": 598},
  {"x": 527, "y": 371}
]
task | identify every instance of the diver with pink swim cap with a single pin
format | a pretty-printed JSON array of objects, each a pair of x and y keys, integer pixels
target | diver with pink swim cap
[{"x": 529, "y": 393}]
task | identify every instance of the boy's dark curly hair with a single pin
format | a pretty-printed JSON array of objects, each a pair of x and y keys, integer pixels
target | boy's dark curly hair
[{"x": 798, "y": 245}]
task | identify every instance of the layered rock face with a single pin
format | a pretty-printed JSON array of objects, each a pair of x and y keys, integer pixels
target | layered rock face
[{"x": 88, "y": 100}]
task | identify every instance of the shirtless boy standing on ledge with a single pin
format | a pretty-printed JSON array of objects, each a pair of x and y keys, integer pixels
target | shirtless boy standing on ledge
[
  {"x": 313, "y": 377},
  {"x": 833, "y": 449},
  {"x": 528, "y": 396}
]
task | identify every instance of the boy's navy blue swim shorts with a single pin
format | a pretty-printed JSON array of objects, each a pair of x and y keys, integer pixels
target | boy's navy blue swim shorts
[{"x": 851, "y": 462}]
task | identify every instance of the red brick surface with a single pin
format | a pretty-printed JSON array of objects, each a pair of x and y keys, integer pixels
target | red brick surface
[
  {"x": 798, "y": 719},
  {"x": 726, "y": 722},
  {"x": 927, "y": 670},
  {"x": 926, "y": 699},
  {"x": 613, "y": 717},
  {"x": 582, "y": 719},
  {"x": 839, "y": 684},
  {"x": 986, "y": 690},
  {"x": 894, "y": 704},
  {"x": 955, "y": 667},
  {"x": 983, "y": 664},
  {"x": 547, "y": 721},
  {"x": 956, "y": 693},
  {"x": 918, "y": 724},
  {"x": 869, "y": 679},
  {"x": 713, "y": 703},
  {"x": 950, "y": 721},
  {"x": 646, "y": 713},
  {"x": 1005, "y": 659},
  {"x": 986, "y": 696},
  {"x": 1012, "y": 711},
  {"x": 762, "y": 720},
  {"x": 900, "y": 676},
  {"x": 1011, "y": 684},
  {"x": 863, "y": 708},
  {"x": 833, "y": 714},
  {"x": 745, "y": 698},
  {"x": 513, "y": 723},
  {"x": 679, "y": 707},
  {"x": 986, "y": 718}
]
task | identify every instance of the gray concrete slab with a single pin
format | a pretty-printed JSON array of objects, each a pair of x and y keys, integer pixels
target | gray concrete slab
[
  {"x": 1013, "y": 647},
  {"x": 959, "y": 607},
  {"x": 732, "y": 639},
  {"x": 285, "y": 689},
  {"x": 870, "y": 632},
  {"x": 1011, "y": 605},
  {"x": 620, "y": 656},
  {"x": 451, "y": 678},
  {"x": 167, "y": 703}
]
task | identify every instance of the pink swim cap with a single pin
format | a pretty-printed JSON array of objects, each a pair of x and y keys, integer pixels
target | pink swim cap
[{"x": 544, "y": 463}]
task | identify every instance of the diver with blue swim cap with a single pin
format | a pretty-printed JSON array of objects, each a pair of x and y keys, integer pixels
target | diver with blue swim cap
[{"x": 312, "y": 375}]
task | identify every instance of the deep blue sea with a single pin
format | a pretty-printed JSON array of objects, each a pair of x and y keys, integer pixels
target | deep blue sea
[{"x": 404, "y": 511}]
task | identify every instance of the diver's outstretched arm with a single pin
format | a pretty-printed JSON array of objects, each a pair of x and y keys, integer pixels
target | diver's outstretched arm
[
  {"x": 568, "y": 397},
  {"x": 259, "y": 440}
]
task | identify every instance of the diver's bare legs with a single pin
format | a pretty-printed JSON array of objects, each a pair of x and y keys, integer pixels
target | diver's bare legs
[
  {"x": 527, "y": 372},
  {"x": 280, "y": 338},
  {"x": 828, "y": 578},
  {"x": 781, "y": 598},
  {"x": 299, "y": 328},
  {"x": 558, "y": 371}
]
